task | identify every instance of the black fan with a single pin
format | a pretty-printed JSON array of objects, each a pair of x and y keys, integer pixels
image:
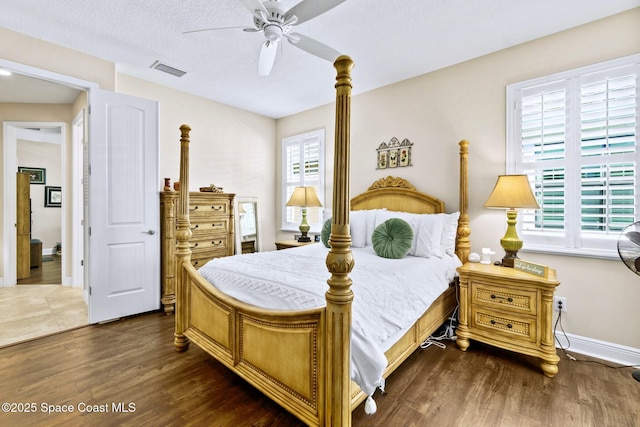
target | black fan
[{"x": 629, "y": 251}]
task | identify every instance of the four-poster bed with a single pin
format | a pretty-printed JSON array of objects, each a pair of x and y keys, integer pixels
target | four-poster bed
[{"x": 301, "y": 358}]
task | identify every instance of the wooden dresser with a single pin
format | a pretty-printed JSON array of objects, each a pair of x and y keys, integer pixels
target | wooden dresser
[
  {"x": 211, "y": 216},
  {"x": 510, "y": 309}
]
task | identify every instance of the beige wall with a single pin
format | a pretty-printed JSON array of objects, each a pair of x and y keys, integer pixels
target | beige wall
[
  {"x": 436, "y": 110},
  {"x": 231, "y": 148}
]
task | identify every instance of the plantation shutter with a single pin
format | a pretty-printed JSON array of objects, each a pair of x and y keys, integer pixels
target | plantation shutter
[
  {"x": 303, "y": 165},
  {"x": 608, "y": 142}
]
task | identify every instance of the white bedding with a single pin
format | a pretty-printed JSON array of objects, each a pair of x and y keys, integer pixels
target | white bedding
[{"x": 389, "y": 294}]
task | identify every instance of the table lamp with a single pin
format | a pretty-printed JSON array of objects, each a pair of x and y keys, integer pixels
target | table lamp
[
  {"x": 305, "y": 197},
  {"x": 511, "y": 192}
]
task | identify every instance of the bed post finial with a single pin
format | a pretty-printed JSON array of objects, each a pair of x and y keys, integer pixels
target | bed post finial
[
  {"x": 463, "y": 244},
  {"x": 183, "y": 235},
  {"x": 340, "y": 263}
]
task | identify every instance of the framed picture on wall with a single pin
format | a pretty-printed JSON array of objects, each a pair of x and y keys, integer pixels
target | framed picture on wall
[
  {"x": 52, "y": 197},
  {"x": 36, "y": 175}
]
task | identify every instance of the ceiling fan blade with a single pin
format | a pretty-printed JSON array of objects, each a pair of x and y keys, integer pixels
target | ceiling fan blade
[
  {"x": 254, "y": 6},
  {"x": 313, "y": 46},
  {"x": 213, "y": 29},
  {"x": 308, "y": 9},
  {"x": 267, "y": 58}
]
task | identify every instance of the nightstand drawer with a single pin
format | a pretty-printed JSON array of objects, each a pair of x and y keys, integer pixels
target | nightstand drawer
[
  {"x": 510, "y": 299},
  {"x": 516, "y": 328}
]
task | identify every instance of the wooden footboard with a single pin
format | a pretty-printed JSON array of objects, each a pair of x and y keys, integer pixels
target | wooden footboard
[
  {"x": 278, "y": 352},
  {"x": 281, "y": 352}
]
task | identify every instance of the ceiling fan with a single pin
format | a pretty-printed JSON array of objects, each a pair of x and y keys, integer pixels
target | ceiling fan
[{"x": 276, "y": 24}]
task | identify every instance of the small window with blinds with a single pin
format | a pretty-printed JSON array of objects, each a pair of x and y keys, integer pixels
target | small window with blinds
[
  {"x": 302, "y": 166},
  {"x": 575, "y": 134}
]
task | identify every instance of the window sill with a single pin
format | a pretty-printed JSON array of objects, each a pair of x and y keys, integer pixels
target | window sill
[{"x": 576, "y": 252}]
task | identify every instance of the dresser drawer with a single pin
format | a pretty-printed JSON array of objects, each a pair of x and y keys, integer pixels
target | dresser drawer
[
  {"x": 209, "y": 243},
  {"x": 203, "y": 208},
  {"x": 209, "y": 227},
  {"x": 510, "y": 299},
  {"x": 516, "y": 327},
  {"x": 198, "y": 259}
]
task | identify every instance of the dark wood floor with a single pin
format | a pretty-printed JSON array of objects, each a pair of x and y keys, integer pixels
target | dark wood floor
[
  {"x": 133, "y": 361},
  {"x": 50, "y": 273}
]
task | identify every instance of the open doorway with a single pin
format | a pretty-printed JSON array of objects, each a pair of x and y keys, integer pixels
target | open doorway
[{"x": 50, "y": 142}]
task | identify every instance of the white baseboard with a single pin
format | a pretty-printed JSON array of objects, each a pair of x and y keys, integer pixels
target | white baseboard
[{"x": 604, "y": 350}]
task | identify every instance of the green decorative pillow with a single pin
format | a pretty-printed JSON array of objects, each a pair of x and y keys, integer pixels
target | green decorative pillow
[
  {"x": 392, "y": 238},
  {"x": 326, "y": 232}
]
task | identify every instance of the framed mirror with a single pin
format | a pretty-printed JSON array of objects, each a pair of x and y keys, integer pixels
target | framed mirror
[{"x": 247, "y": 225}]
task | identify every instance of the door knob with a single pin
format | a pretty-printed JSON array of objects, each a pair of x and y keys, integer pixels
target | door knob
[{"x": 149, "y": 232}]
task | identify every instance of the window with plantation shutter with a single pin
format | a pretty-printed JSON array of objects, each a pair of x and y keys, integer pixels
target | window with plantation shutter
[
  {"x": 575, "y": 134},
  {"x": 302, "y": 166}
]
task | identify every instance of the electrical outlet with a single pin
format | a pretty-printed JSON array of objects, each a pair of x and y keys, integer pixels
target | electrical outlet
[{"x": 560, "y": 304}]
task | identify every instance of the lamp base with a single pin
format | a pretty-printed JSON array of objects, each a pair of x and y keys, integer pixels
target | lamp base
[
  {"x": 509, "y": 258},
  {"x": 304, "y": 239}
]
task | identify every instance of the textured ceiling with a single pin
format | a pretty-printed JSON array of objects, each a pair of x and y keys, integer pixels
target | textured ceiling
[{"x": 389, "y": 40}]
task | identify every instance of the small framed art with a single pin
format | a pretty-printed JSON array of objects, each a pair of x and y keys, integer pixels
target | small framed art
[
  {"x": 394, "y": 154},
  {"x": 36, "y": 175},
  {"x": 52, "y": 197}
]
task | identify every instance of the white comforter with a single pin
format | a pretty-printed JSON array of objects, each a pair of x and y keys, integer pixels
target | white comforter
[{"x": 389, "y": 294}]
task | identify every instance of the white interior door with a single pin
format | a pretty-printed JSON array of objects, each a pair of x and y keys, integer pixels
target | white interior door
[{"x": 124, "y": 244}]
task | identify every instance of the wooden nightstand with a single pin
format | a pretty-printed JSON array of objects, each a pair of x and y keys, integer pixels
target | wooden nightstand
[
  {"x": 509, "y": 309},
  {"x": 286, "y": 244}
]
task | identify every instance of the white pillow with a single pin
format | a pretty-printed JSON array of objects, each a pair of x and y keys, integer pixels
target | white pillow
[
  {"x": 428, "y": 235},
  {"x": 358, "y": 228},
  {"x": 449, "y": 233},
  {"x": 362, "y": 225}
]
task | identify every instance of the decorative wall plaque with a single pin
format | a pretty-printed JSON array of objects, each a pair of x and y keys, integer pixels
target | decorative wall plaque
[{"x": 394, "y": 154}]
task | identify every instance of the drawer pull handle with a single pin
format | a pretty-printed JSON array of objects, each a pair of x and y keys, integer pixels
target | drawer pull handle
[
  {"x": 509, "y": 299},
  {"x": 216, "y": 208},
  {"x": 194, "y": 209},
  {"x": 194, "y": 245},
  {"x": 508, "y": 325},
  {"x": 216, "y": 225},
  {"x": 217, "y": 243},
  {"x": 194, "y": 227}
]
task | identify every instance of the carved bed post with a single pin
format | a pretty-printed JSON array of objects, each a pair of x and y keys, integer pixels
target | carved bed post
[
  {"x": 463, "y": 244},
  {"x": 340, "y": 263},
  {"x": 183, "y": 235}
]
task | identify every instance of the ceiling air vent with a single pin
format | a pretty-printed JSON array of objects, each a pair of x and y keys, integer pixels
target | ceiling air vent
[{"x": 167, "y": 69}]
